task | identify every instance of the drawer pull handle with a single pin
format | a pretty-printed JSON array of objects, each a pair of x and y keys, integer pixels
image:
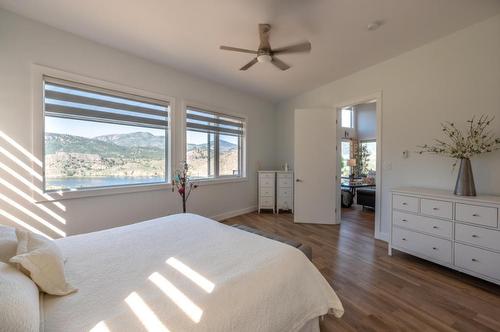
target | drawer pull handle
[
  {"x": 434, "y": 248},
  {"x": 404, "y": 203},
  {"x": 475, "y": 260},
  {"x": 435, "y": 209},
  {"x": 475, "y": 215},
  {"x": 404, "y": 239},
  {"x": 435, "y": 227},
  {"x": 474, "y": 235},
  {"x": 404, "y": 220}
]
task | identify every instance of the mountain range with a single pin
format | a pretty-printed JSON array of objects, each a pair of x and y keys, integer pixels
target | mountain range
[{"x": 132, "y": 145}]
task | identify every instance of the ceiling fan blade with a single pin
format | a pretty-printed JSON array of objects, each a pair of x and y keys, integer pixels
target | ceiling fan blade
[
  {"x": 280, "y": 64},
  {"x": 236, "y": 49},
  {"x": 264, "y": 30},
  {"x": 250, "y": 64},
  {"x": 298, "y": 48}
]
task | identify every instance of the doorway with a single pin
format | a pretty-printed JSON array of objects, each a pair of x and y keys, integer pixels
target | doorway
[{"x": 359, "y": 179}]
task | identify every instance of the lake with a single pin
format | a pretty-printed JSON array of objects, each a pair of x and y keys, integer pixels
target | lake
[{"x": 101, "y": 181}]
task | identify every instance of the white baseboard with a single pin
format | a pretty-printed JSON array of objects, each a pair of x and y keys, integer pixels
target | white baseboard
[{"x": 230, "y": 214}]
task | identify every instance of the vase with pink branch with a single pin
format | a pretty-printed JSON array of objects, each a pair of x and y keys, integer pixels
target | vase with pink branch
[{"x": 182, "y": 183}]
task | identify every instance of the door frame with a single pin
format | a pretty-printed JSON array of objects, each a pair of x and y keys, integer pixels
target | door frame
[{"x": 377, "y": 96}]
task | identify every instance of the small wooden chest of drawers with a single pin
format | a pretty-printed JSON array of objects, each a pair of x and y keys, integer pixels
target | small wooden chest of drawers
[{"x": 459, "y": 232}]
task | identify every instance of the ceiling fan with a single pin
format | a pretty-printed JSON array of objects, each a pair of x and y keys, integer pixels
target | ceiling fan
[{"x": 265, "y": 53}]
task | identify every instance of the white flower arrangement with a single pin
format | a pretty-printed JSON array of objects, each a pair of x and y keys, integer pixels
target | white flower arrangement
[{"x": 464, "y": 144}]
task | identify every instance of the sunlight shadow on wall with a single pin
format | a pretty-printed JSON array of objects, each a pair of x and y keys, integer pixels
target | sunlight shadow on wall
[
  {"x": 32, "y": 201},
  {"x": 22, "y": 223},
  {"x": 30, "y": 185},
  {"x": 147, "y": 317},
  {"x": 20, "y": 148},
  {"x": 19, "y": 195},
  {"x": 21, "y": 164},
  {"x": 100, "y": 327},
  {"x": 179, "y": 298},
  {"x": 32, "y": 215},
  {"x": 192, "y": 275}
]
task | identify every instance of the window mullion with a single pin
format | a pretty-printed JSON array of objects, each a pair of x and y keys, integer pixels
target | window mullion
[
  {"x": 209, "y": 149},
  {"x": 216, "y": 163}
]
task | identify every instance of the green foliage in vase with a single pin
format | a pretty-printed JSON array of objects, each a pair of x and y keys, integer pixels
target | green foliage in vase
[{"x": 361, "y": 155}]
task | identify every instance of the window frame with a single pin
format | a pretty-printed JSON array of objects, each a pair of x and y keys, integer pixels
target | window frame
[
  {"x": 242, "y": 144},
  {"x": 38, "y": 140}
]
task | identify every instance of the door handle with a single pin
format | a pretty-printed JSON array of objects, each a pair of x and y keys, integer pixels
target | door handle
[{"x": 298, "y": 180}]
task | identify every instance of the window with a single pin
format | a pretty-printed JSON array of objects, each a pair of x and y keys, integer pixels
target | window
[
  {"x": 347, "y": 116},
  {"x": 371, "y": 147},
  {"x": 346, "y": 155},
  {"x": 214, "y": 144},
  {"x": 99, "y": 138}
]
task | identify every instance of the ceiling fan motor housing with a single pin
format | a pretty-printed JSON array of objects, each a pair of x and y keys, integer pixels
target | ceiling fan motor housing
[{"x": 263, "y": 58}]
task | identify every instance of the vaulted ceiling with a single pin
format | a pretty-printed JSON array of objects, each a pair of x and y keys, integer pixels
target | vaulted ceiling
[{"x": 187, "y": 34}]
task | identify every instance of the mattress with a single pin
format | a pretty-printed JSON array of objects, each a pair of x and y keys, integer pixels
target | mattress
[{"x": 186, "y": 273}]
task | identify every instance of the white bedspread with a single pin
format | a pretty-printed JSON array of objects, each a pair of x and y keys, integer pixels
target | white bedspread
[{"x": 126, "y": 284}]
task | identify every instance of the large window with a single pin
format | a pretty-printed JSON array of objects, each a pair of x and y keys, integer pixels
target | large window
[
  {"x": 346, "y": 155},
  {"x": 214, "y": 144},
  {"x": 371, "y": 147},
  {"x": 98, "y": 138}
]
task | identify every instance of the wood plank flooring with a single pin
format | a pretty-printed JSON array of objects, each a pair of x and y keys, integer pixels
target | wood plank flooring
[{"x": 383, "y": 293}]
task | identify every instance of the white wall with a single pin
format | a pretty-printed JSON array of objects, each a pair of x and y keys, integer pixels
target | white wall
[
  {"x": 447, "y": 80},
  {"x": 24, "y": 42},
  {"x": 366, "y": 121}
]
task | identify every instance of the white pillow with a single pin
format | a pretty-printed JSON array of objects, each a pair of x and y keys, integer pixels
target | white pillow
[
  {"x": 19, "y": 301},
  {"x": 44, "y": 262},
  {"x": 8, "y": 243}
]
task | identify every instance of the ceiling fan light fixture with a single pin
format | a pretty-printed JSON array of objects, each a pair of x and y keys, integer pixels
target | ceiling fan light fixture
[{"x": 264, "y": 58}]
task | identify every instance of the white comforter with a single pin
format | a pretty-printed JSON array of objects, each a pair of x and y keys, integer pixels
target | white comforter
[{"x": 126, "y": 284}]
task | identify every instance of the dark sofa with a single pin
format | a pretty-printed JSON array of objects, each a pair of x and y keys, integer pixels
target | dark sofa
[{"x": 366, "y": 197}]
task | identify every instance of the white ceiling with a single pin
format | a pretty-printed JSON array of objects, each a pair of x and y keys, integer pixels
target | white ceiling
[{"x": 187, "y": 34}]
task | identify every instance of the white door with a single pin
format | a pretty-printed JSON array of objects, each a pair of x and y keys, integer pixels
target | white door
[{"x": 315, "y": 166}]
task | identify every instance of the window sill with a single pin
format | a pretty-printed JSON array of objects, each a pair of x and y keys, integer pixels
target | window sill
[
  {"x": 95, "y": 192},
  {"x": 205, "y": 182}
]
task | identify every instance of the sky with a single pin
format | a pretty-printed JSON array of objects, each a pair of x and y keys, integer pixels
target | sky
[{"x": 92, "y": 129}]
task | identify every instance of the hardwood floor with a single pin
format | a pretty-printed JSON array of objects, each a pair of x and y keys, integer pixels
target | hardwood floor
[{"x": 383, "y": 293}]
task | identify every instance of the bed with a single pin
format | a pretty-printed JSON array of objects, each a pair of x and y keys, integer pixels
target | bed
[{"x": 186, "y": 273}]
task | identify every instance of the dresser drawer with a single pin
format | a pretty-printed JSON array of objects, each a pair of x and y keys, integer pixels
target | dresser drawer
[
  {"x": 405, "y": 203},
  {"x": 285, "y": 176},
  {"x": 481, "y": 215},
  {"x": 285, "y": 202},
  {"x": 477, "y": 260},
  {"x": 267, "y": 191},
  {"x": 267, "y": 202},
  {"x": 284, "y": 191},
  {"x": 285, "y": 182},
  {"x": 266, "y": 175},
  {"x": 482, "y": 237},
  {"x": 423, "y": 224},
  {"x": 267, "y": 182},
  {"x": 435, "y": 208},
  {"x": 424, "y": 245}
]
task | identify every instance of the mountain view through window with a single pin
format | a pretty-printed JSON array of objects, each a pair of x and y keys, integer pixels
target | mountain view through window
[{"x": 83, "y": 154}]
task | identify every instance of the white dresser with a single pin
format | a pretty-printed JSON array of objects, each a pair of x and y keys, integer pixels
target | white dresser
[
  {"x": 284, "y": 191},
  {"x": 276, "y": 190},
  {"x": 267, "y": 190},
  {"x": 459, "y": 232}
]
